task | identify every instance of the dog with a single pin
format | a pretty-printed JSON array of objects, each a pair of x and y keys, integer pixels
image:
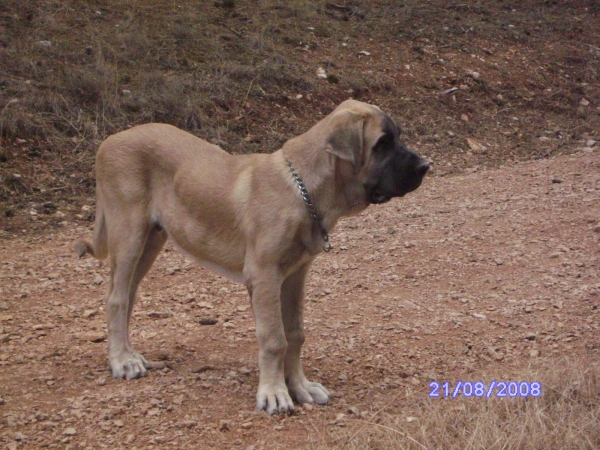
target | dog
[{"x": 259, "y": 219}]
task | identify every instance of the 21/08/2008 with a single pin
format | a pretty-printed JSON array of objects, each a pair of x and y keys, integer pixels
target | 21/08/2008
[{"x": 479, "y": 389}]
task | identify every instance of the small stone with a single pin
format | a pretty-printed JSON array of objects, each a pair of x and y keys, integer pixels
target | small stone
[
  {"x": 475, "y": 146},
  {"x": 155, "y": 365},
  {"x": 228, "y": 325},
  {"x": 247, "y": 425},
  {"x": 590, "y": 143},
  {"x": 11, "y": 446},
  {"x": 46, "y": 44},
  {"x": 70, "y": 432},
  {"x": 173, "y": 269},
  {"x": 411, "y": 419},
  {"x": 534, "y": 353},
  {"x": 203, "y": 369},
  {"x": 464, "y": 118},
  {"x": 159, "y": 314},
  {"x": 308, "y": 406},
  {"x": 89, "y": 313},
  {"x": 364, "y": 53},
  {"x": 597, "y": 229},
  {"x": 584, "y": 102},
  {"x": 98, "y": 279},
  {"x": 479, "y": 316},
  {"x": 187, "y": 424},
  {"x": 126, "y": 92},
  {"x": 557, "y": 180},
  {"x": 19, "y": 436},
  {"x": 321, "y": 73},
  {"x": 353, "y": 410},
  {"x": 224, "y": 425},
  {"x": 118, "y": 423},
  {"x": 531, "y": 336},
  {"x": 91, "y": 337},
  {"x": 208, "y": 321}
]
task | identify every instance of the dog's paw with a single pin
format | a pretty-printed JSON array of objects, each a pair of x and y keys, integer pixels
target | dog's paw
[
  {"x": 274, "y": 398},
  {"x": 128, "y": 365},
  {"x": 305, "y": 391}
]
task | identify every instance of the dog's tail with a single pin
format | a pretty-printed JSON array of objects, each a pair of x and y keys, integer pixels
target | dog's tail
[{"x": 98, "y": 248}]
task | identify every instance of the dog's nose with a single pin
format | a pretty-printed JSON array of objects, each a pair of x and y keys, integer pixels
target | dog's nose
[{"x": 422, "y": 168}]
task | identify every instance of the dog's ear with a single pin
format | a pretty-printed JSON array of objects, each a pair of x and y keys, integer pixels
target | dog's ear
[{"x": 346, "y": 140}]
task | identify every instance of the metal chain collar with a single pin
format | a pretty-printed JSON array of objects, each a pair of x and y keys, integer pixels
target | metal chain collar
[{"x": 311, "y": 209}]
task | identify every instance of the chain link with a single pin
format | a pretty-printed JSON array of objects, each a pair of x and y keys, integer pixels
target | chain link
[{"x": 311, "y": 209}]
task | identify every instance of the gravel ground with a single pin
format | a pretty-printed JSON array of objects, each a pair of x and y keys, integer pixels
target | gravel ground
[{"x": 488, "y": 270}]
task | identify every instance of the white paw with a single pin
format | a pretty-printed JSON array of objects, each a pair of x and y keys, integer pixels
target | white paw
[
  {"x": 305, "y": 391},
  {"x": 128, "y": 365},
  {"x": 274, "y": 398}
]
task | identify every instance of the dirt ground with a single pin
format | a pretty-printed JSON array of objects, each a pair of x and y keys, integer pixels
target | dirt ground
[{"x": 489, "y": 270}]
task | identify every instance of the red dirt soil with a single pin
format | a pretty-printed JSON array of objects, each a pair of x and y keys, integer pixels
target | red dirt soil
[{"x": 488, "y": 270}]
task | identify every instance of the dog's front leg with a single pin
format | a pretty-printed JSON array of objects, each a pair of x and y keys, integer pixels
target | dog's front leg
[
  {"x": 292, "y": 308},
  {"x": 264, "y": 287}
]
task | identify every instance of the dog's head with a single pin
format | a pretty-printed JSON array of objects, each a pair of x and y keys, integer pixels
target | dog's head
[{"x": 367, "y": 140}]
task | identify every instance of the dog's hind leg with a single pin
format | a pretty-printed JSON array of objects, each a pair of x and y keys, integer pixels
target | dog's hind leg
[
  {"x": 127, "y": 237},
  {"x": 154, "y": 244}
]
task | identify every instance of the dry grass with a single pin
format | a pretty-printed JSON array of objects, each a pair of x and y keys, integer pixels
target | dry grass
[
  {"x": 566, "y": 416},
  {"x": 231, "y": 72}
]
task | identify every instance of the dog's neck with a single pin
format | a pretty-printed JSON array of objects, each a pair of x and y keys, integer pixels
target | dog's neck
[
  {"x": 320, "y": 172},
  {"x": 315, "y": 215}
]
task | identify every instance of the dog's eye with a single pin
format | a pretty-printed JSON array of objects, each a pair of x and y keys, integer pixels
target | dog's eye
[{"x": 385, "y": 142}]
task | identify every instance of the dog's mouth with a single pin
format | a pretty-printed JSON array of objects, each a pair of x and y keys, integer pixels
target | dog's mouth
[{"x": 378, "y": 198}]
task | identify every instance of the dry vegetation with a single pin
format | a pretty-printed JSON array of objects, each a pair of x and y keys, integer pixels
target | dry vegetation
[
  {"x": 73, "y": 72},
  {"x": 566, "y": 416}
]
